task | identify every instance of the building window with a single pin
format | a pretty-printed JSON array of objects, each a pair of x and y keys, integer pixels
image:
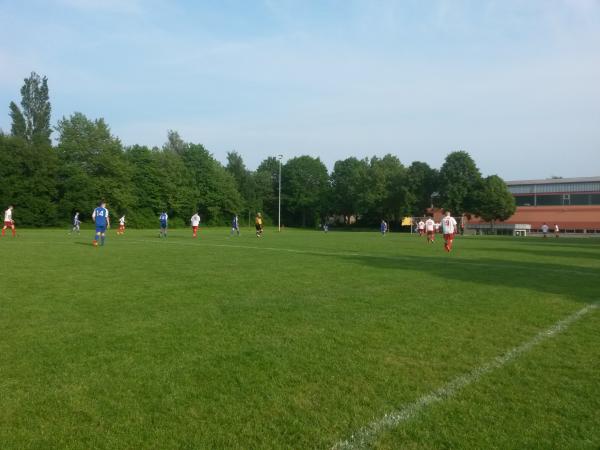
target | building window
[
  {"x": 525, "y": 200},
  {"x": 549, "y": 200},
  {"x": 581, "y": 199}
]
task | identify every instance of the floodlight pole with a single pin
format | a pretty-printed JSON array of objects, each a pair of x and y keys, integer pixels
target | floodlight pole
[{"x": 279, "y": 157}]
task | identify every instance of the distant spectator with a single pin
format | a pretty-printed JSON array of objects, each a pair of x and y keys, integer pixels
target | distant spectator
[{"x": 545, "y": 230}]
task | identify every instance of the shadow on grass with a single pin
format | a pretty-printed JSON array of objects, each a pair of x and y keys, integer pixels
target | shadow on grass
[
  {"x": 87, "y": 244},
  {"x": 536, "y": 251},
  {"x": 577, "y": 283},
  {"x": 572, "y": 242}
]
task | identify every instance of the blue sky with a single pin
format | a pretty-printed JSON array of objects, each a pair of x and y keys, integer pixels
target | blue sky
[{"x": 516, "y": 83}]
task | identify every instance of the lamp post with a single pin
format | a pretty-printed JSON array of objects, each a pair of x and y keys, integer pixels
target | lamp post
[{"x": 279, "y": 157}]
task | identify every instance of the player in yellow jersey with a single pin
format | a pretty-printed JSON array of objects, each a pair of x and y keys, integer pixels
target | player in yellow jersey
[{"x": 258, "y": 223}]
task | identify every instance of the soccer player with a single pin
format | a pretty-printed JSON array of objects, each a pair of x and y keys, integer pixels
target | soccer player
[
  {"x": 421, "y": 227},
  {"x": 8, "y": 221},
  {"x": 163, "y": 219},
  {"x": 102, "y": 221},
  {"x": 430, "y": 229},
  {"x": 545, "y": 230},
  {"x": 556, "y": 230},
  {"x": 76, "y": 223},
  {"x": 235, "y": 225},
  {"x": 195, "y": 221},
  {"x": 383, "y": 227},
  {"x": 258, "y": 224},
  {"x": 121, "y": 225},
  {"x": 449, "y": 230}
]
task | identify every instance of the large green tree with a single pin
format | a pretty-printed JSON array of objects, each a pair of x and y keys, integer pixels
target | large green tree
[
  {"x": 243, "y": 179},
  {"x": 31, "y": 184},
  {"x": 459, "y": 181},
  {"x": 494, "y": 201},
  {"x": 266, "y": 185},
  {"x": 422, "y": 182},
  {"x": 388, "y": 190},
  {"x": 28, "y": 176},
  {"x": 218, "y": 196},
  {"x": 349, "y": 185},
  {"x": 175, "y": 143},
  {"x": 93, "y": 167},
  {"x": 32, "y": 121},
  {"x": 305, "y": 187}
]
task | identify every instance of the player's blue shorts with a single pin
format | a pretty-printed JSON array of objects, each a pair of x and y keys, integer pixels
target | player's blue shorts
[
  {"x": 163, "y": 224},
  {"x": 100, "y": 228}
]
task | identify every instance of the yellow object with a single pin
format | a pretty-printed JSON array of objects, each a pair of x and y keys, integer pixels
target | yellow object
[{"x": 407, "y": 221}]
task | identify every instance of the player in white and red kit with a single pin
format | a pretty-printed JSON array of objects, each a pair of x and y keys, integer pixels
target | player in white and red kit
[
  {"x": 9, "y": 222},
  {"x": 195, "y": 221},
  {"x": 449, "y": 228},
  {"x": 121, "y": 225},
  {"x": 421, "y": 227},
  {"x": 430, "y": 230}
]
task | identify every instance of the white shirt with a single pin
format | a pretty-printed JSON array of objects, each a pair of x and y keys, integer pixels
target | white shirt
[
  {"x": 122, "y": 221},
  {"x": 556, "y": 228},
  {"x": 8, "y": 215},
  {"x": 421, "y": 225},
  {"x": 195, "y": 220},
  {"x": 544, "y": 228},
  {"x": 429, "y": 225},
  {"x": 449, "y": 225}
]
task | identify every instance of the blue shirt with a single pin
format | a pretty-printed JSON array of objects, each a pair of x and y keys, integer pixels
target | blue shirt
[
  {"x": 234, "y": 222},
  {"x": 101, "y": 216},
  {"x": 163, "y": 218}
]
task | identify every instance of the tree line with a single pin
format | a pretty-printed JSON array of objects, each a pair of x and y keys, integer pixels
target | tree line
[{"x": 48, "y": 182}]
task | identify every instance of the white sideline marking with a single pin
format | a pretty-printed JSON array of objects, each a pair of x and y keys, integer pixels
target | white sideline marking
[
  {"x": 461, "y": 262},
  {"x": 366, "y": 435}
]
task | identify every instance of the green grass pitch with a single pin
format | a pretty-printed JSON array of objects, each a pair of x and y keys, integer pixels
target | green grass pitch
[{"x": 296, "y": 340}]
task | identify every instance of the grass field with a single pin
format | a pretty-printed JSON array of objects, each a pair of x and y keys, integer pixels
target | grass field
[{"x": 298, "y": 340}]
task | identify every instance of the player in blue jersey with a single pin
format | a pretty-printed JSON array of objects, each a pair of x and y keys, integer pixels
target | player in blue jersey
[
  {"x": 235, "y": 225},
  {"x": 102, "y": 221},
  {"x": 163, "y": 219},
  {"x": 383, "y": 227}
]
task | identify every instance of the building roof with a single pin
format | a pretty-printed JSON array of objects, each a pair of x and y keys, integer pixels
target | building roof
[{"x": 555, "y": 181}]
